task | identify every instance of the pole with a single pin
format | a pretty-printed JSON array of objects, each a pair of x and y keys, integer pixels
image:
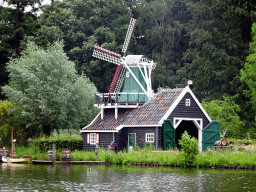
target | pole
[{"x": 12, "y": 143}]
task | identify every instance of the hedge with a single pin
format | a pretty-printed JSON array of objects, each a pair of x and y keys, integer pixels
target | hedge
[{"x": 46, "y": 145}]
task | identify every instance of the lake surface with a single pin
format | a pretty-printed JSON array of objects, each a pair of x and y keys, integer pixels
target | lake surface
[{"x": 17, "y": 177}]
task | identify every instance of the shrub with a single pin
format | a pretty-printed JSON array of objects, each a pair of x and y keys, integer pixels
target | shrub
[
  {"x": 190, "y": 149},
  {"x": 67, "y": 142}
]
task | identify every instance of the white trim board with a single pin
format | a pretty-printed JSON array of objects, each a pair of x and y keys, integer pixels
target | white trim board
[
  {"x": 97, "y": 131},
  {"x": 177, "y": 101},
  {"x": 117, "y": 129},
  {"x": 198, "y": 122}
]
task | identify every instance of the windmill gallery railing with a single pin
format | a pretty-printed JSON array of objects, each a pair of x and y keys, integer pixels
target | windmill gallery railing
[{"x": 120, "y": 98}]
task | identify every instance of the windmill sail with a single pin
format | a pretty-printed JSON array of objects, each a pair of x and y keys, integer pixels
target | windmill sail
[
  {"x": 106, "y": 55},
  {"x": 129, "y": 35}
]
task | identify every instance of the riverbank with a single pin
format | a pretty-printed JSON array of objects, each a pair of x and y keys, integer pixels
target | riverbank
[
  {"x": 243, "y": 156},
  {"x": 240, "y": 157}
]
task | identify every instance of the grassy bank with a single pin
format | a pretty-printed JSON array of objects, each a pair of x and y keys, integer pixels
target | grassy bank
[{"x": 168, "y": 158}]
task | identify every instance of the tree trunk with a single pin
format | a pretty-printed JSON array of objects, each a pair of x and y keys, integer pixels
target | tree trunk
[{"x": 47, "y": 129}]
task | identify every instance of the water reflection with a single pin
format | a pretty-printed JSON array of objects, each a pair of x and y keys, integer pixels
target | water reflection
[{"x": 17, "y": 177}]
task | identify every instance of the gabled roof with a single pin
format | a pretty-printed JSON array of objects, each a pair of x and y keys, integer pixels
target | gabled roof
[{"x": 150, "y": 114}]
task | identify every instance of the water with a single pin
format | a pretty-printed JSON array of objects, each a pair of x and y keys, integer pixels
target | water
[{"x": 17, "y": 177}]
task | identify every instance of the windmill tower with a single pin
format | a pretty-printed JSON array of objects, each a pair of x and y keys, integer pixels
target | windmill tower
[{"x": 131, "y": 85}]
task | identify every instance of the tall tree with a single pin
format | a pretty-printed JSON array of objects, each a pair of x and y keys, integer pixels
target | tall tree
[
  {"x": 163, "y": 37},
  {"x": 15, "y": 23},
  {"x": 46, "y": 85},
  {"x": 248, "y": 73},
  {"x": 217, "y": 49},
  {"x": 22, "y": 21}
]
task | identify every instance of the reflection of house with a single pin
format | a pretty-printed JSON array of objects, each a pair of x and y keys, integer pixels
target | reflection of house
[{"x": 160, "y": 122}]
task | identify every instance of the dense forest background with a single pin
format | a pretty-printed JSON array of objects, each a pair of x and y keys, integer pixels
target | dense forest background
[{"x": 207, "y": 41}]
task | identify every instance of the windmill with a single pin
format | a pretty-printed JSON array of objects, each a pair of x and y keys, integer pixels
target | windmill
[{"x": 131, "y": 84}]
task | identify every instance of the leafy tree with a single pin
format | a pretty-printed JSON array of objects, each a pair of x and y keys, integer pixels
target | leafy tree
[
  {"x": 217, "y": 50},
  {"x": 9, "y": 121},
  {"x": 22, "y": 22},
  {"x": 15, "y": 23},
  {"x": 163, "y": 37},
  {"x": 46, "y": 85},
  {"x": 226, "y": 111},
  {"x": 248, "y": 74}
]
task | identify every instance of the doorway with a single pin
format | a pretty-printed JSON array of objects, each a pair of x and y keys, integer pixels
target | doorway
[
  {"x": 131, "y": 140},
  {"x": 185, "y": 125}
]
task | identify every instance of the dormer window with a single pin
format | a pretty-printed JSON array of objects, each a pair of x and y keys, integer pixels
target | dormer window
[{"x": 187, "y": 102}]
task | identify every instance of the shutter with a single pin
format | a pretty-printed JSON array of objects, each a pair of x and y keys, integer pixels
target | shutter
[
  {"x": 211, "y": 134},
  {"x": 88, "y": 138},
  {"x": 169, "y": 135},
  {"x": 97, "y": 138}
]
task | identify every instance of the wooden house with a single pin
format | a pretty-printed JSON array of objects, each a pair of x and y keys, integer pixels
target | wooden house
[{"x": 159, "y": 122}]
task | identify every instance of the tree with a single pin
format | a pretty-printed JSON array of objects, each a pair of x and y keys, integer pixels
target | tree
[
  {"x": 248, "y": 74},
  {"x": 226, "y": 111},
  {"x": 46, "y": 85},
  {"x": 217, "y": 50},
  {"x": 15, "y": 23},
  {"x": 9, "y": 122},
  {"x": 163, "y": 38},
  {"x": 22, "y": 21}
]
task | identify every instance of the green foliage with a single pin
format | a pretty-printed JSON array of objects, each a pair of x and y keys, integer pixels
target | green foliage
[
  {"x": 190, "y": 149},
  {"x": 248, "y": 73},
  {"x": 64, "y": 142},
  {"x": 8, "y": 120},
  {"x": 163, "y": 25},
  {"x": 45, "y": 84},
  {"x": 226, "y": 111},
  {"x": 82, "y": 24},
  {"x": 242, "y": 141}
]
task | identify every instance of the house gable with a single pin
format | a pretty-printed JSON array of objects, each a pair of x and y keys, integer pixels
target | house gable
[{"x": 194, "y": 111}]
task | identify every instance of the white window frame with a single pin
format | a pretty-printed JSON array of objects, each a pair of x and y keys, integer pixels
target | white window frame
[
  {"x": 93, "y": 138},
  {"x": 187, "y": 102},
  {"x": 150, "y": 137},
  {"x": 127, "y": 74}
]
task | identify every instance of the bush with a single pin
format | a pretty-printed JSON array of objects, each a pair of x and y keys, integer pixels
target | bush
[
  {"x": 190, "y": 149},
  {"x": 65, "y": 142}
]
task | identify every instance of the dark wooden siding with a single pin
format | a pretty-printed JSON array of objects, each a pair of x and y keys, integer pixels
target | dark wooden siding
[
  {"x": 105, "y": 140},
  {"x": 192, "y": 111},
  {"x": 122, "y": 136}
]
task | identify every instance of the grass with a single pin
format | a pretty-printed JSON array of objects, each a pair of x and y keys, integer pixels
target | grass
[{"x": 244, "y": 158}]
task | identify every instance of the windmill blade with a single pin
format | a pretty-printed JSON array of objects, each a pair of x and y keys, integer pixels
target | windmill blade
[
  {"x": 118, "y": 79},
  {"x": 129, "y": 35},
  {"x": 106, "y": 55}
]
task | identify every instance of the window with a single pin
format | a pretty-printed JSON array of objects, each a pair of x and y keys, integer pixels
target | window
[
  {"x": 150, "y": 137},
  {"x": 187, "y": 103},
  {"x": 93, "y": 138},
  {"x": 127, "y": 74}
]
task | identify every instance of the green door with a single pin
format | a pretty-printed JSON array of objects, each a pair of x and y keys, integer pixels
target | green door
[
  {"x": 211, "y": 134},
  {"x": 168, "y": 135},
  {"x": 131, "y": 140}
]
